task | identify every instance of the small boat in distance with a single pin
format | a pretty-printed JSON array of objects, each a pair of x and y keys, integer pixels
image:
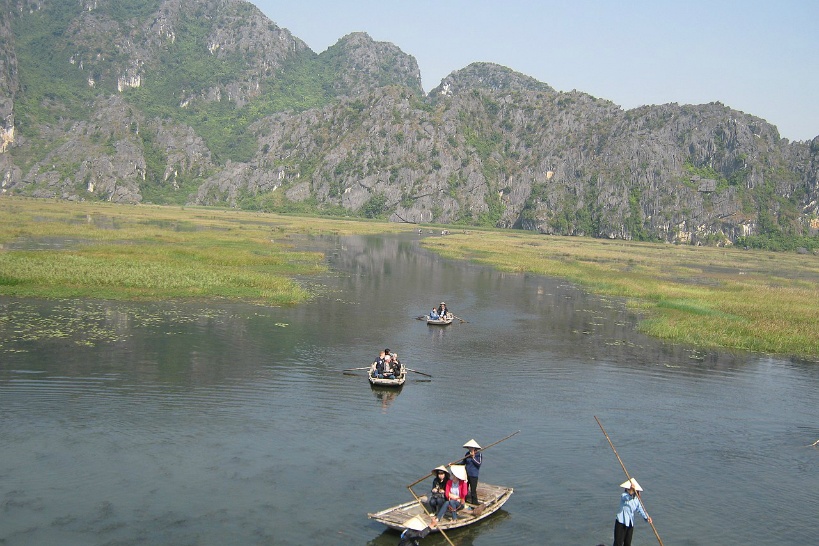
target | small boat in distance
[
  {"x": 490, "y": 500},
  {"x": 441, "y": 321},
  {"x": 398, "y": 381}
]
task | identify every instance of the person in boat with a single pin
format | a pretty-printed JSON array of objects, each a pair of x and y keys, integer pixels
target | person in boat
[
  {"x": 436, "y": 497},
  {"x": 378, "y": 365},
  {"x": 387, "y": 373},
  {"x": 629, "y": 503},
  {"x": 455, "y": 492},
  {"x": 443, "y": 310},
  {"x": 378, "y": 368},
  {"x": 472, "y": 461},
  {"x": 395, "y": 366},
  {"x": 415, "y": 530},
  {"x": 433, "y": 315}
]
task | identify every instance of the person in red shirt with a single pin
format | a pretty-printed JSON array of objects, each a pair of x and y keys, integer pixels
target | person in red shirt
[{"x": 455, "y": 492}]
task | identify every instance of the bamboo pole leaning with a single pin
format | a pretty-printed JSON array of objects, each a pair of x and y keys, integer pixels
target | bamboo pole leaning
[
  {"x": 628, "y": 478},
  {"x": 456, "y": 461},
  {"x": 431, "y": 516}
]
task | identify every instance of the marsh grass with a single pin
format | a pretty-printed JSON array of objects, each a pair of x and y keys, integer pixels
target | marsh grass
[
  {"x": 704, "y": 296},
  {"x": 709, "y": 297},
  {"x": 108, "y": 251}
]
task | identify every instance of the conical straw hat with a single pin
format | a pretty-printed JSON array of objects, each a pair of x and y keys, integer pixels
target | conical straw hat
[
  {"x": 631, "y": 483},
  {"x": 415, "y": 523},
  {"x": 459, "y": 471}
]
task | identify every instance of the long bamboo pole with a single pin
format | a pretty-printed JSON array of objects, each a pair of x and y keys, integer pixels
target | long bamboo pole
[
  {"x": 421, "y": 504},
  {"x": 628, "y": 478},
  {"x": 416, "y": 482}
]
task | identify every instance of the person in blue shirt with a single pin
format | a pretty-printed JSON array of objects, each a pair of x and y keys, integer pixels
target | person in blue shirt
[
  {"x": 472, "y": 461},
  {"x": 629, "y": 504},
  {"x": 434, "y": 314}
]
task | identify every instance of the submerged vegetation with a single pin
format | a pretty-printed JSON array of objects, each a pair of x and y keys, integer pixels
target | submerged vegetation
[{"x": 710, "y": 297}]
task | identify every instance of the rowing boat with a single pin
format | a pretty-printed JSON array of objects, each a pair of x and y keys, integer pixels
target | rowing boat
[
  {"x": 442, "y": 321},
  {"x": 386, "y": 382},
  {"x": 490, "y": 500}
]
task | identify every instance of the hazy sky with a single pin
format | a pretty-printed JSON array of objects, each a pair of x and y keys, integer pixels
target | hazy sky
[{"x": 760, "y": 57}]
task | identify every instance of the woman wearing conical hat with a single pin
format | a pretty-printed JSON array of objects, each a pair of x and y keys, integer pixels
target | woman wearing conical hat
[
  {"x": 455, "y": 492},
  {"x": 436, "y": 497},
  {"x": 472, "y": 461},
  {"x": 629, "y": 503}
]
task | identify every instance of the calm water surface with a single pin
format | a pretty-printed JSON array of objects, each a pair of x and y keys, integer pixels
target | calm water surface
[{"x": 200, "y": 424}]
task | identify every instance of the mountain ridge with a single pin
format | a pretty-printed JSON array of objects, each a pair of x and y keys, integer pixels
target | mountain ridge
[{"x": 209, "y": 102}]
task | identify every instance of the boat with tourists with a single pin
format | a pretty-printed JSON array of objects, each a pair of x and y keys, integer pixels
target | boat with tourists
[
  {"x": 387, "y": 370},
  {"x": 490, "y": 499},
  {"x": 387, "y": 381},
  {"x": 441, "y": 321}
]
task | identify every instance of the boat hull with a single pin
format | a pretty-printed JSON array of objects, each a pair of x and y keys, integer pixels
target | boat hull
[
  {"x": 490, "y": 497},
  {"x": 384, "y": 382},
  {"x": 445, "y": 321}
]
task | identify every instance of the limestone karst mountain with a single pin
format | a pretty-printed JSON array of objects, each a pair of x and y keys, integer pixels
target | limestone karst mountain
[{"x": 210, "y": 102}]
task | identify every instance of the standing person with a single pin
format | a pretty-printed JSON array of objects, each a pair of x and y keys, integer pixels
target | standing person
[
  {"x": 629, "y": 503},
  {"x": 455, "y": 492},
  {"x": 415, "y": 530},
  {"x": 472, "y": 461},
  {"x": 436, "y": 496}
]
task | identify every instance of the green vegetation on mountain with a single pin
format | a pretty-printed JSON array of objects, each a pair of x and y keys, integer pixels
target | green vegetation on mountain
[{"x": 177, "y": 102}]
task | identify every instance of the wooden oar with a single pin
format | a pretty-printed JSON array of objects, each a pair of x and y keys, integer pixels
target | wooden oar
[
  {"x": 459, "y": 318},
  {"x": 628, "y": 478},
  {"x": 421, "y": 504},
  {"x": 352, "y": 369},
  {"x": 416, "y": 371}
]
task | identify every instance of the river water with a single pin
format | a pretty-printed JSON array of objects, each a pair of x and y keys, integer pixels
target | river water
[{"x": 222, "y": 424}]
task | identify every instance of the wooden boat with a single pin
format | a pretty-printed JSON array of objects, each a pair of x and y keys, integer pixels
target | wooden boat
[
  {"x": 490, "y": 500},
  {"x": 384, "y": 382},
  {"x": 443, "y": 321}
]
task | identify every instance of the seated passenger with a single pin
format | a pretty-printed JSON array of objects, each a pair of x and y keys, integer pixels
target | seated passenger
[
  {"x": 378, "y": 368},
  {"x": 433, "y": 315},
  {"x": 395, "y": 368},
  {"x": 455, "y": 492},
  {"x": 436, "y": 497},
  {"x": 387, "y": 372},
  {"x": 442, "y": 310}
]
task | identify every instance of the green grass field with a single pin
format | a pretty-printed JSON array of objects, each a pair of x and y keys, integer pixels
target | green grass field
[{"x": 704, "y": 296}]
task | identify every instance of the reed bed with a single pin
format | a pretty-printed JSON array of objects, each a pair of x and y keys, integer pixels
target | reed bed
[
  {"x": 704, "y": 296},
  {"x": 94, "y": 250}
]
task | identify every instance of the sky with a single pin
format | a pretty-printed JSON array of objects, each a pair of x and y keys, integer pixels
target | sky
[{"x": 757, "y": 56}]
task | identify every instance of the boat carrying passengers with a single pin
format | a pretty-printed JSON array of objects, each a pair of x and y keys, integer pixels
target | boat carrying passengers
[{"x": 387, "y": 365}]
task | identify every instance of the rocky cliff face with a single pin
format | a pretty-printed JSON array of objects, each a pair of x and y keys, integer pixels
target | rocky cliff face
[
  {"x": 209, "y": 102},
  {"x": 9, "y": 87}
]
